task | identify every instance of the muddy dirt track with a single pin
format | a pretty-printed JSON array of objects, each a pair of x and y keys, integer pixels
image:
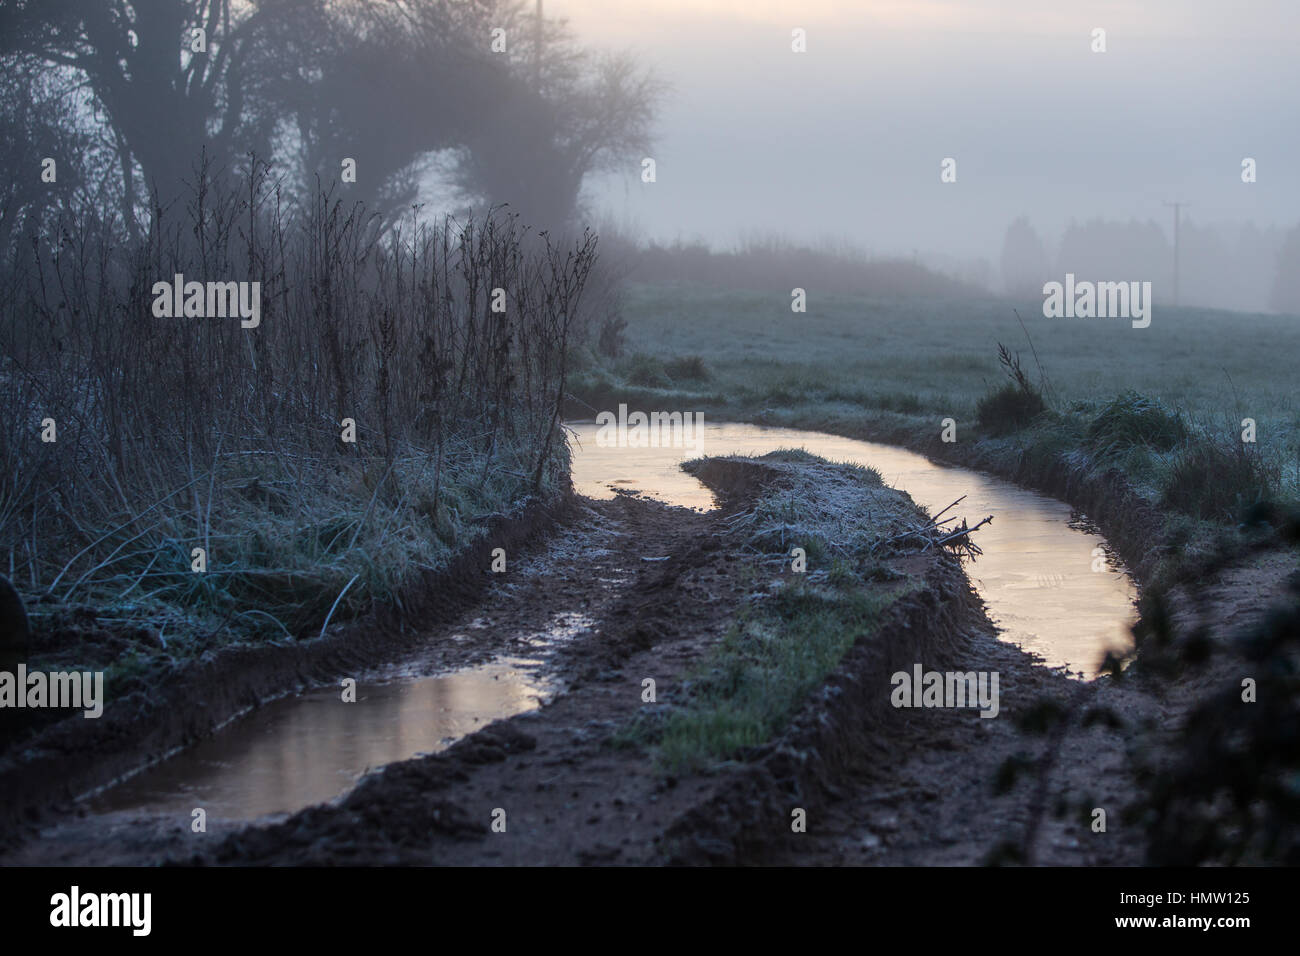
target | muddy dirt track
[
  {"x": 650, "y": 618},
  {"x": 656, "y": 587}
]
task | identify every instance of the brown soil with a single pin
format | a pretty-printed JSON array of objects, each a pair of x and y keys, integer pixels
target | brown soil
[
  {"x": 931, "y": 796},
  {"x": 652, "y": 619},
  {"x": 43, "y": 766},
  {"x": 879, "y": 785}
]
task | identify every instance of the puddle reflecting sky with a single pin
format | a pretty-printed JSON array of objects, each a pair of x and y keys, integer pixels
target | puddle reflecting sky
[
  {"x": 1035, "y": 575},
  {"x": 304, "y": 750},
  {"x": 1036, "y": 571}
]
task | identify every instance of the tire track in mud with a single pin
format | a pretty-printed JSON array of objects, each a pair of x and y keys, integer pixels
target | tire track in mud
[
  {"x": 655, "y": 588},
  {"x": 638, "y": 618},
  {"x": 568, "y": 797},
  {"x": 936, "y": 791},
  {"x": 918, "y": 782},
  {"x": 40, "y": 773}
]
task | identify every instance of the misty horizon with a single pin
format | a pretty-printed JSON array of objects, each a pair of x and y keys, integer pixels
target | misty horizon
[{"x": 843, "y": 143}]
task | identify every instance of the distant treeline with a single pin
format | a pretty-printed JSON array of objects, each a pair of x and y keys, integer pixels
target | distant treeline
[
  {"x": 780, "y": 264},
  {"x": 1240, "y": 267}
]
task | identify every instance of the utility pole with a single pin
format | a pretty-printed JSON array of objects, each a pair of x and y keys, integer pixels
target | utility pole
[{"x": 1177, "y": 209}]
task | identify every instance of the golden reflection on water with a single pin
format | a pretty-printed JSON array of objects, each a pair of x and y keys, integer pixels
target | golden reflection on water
[
  {"x": 1036, "y": 574},
  {"x": 308, "y": 749}
]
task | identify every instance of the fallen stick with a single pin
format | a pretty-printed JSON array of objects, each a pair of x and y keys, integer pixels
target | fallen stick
[
  {"x": 935, "y": 518},
  {"x": 964, "y": 531}
]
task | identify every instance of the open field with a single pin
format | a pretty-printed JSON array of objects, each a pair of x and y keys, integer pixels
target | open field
[
  {"x": 939, "y": 356},
  {"x": 557, "y": 433},
  {"x": 910, "y": 364},
  {"x": 773, "y": 685}
]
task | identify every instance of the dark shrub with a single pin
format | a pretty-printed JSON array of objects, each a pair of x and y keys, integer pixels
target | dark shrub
[
  {"x": 1218, "y": 483},
  {"x": 1014, "y": 405},
  {"x": 1229, "y": 796},
  {"x": 688, "y": 368},
  {"x": 613, "y": 336},
  {"x": 1008, "y": 409},
  {"x": 1133, "y": 419},
  {"x": 648, "y": 372}
]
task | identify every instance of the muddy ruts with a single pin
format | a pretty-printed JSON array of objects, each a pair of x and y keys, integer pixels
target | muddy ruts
[
  {"x": 839, "y": 730},
  {"x": 40, "y": 772}
]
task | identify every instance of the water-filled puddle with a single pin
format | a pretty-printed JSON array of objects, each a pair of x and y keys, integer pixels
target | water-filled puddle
[
  {"x": 1046, "y": 585},
  {"x": 1036, "y": 576},
  {"x": 304, "y": 750}
]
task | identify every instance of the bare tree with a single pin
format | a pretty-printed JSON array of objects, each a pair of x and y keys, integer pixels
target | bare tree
[
  {"x": 168, "y": 91},
  {"x": 574, "y": 113},
  {"x": 386, "y": 83},
  {"x": 36, "y": 113}
]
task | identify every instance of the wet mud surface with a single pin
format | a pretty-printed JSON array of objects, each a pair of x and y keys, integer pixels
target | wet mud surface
[{"x": 647, "y": 590}]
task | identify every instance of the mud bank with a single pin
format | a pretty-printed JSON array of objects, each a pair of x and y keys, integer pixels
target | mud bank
[
  {"x": 664, "y": 588},
  {"x": 565, "y": 779},
  {"x": 841, "y": 727},
  {"x": 1131, "y": 523},
  {"x": 875, "y": 785},
  {"x": 660, "y": 588},
  {"x": 41, "y": 772}
]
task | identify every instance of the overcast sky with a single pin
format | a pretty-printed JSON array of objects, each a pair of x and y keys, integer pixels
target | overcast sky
[{"x": 846, "y": 139}]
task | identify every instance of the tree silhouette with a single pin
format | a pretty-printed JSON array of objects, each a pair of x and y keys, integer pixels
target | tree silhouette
[
  {"x": 387, "y": 83},
  {"x": 1024, "y": 261},
  {"x": 1286, "y": 281}
]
